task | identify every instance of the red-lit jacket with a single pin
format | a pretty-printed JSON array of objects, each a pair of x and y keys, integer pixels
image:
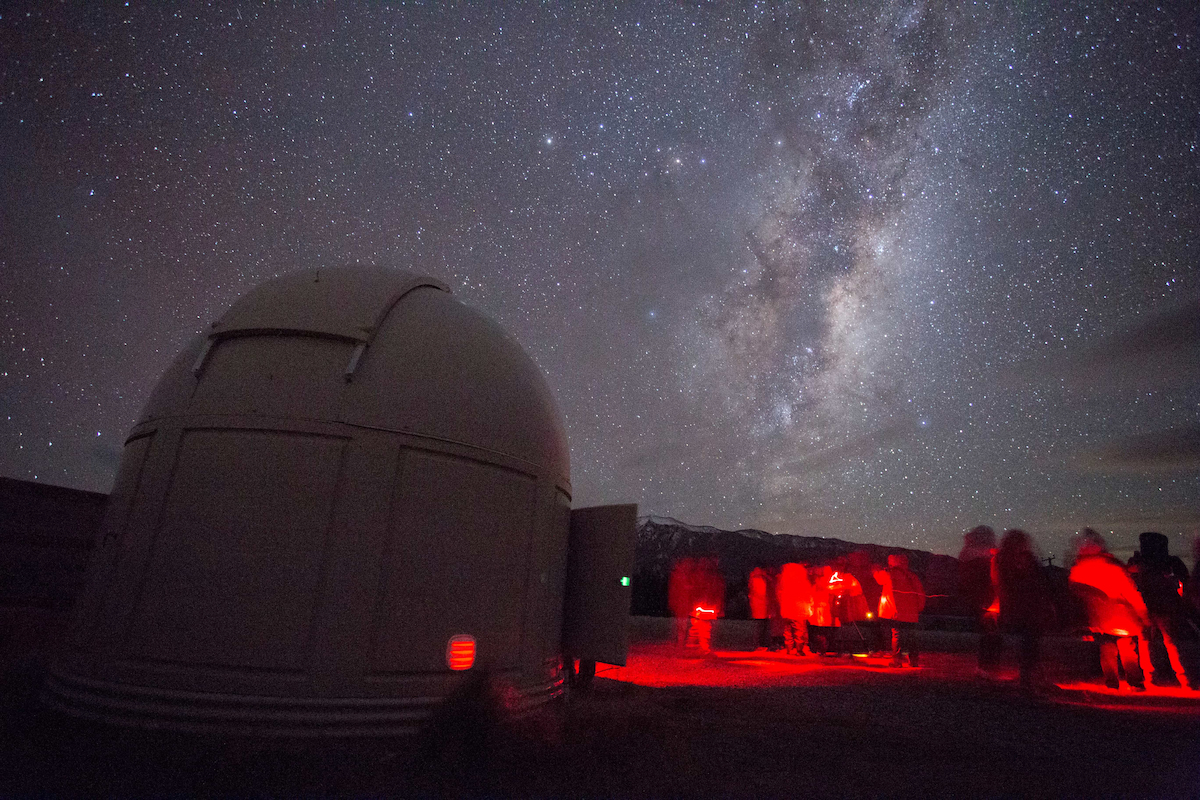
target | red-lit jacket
[
  {"x": 795, "y": 592},
  {"x": 1114, "y": 604},
  {"x": 756, "y": 591},
  {"x": 903, "y": 596},
  {"x": 846, "y": 592},
  {"x": 822, "y": 607}
]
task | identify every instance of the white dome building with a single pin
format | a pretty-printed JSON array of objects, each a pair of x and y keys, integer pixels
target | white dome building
[{"x": 351, "y": 489}]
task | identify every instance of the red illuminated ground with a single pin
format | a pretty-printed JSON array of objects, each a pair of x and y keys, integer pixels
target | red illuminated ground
[
  {"x": 744, "y": 722},
  {"x": 659, "y": 664},
  {"x": 737, "y": 723}
]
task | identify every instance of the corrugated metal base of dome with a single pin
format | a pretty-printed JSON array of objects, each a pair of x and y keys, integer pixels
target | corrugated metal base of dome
[{"x": 202, "y": 712}]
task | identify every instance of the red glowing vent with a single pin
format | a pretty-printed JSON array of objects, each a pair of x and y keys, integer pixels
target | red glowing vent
[{"x": 460, "y": 652}]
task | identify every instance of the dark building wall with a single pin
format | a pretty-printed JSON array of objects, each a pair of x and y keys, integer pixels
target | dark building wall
[{"x": 46, "y": 534}]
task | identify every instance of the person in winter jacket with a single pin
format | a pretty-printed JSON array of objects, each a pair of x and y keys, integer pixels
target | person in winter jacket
[
  {"x": 975, "y": 589},
  {"x": 758, "y": 592},
  {"x": 900, "y": 604},
  {"x": 1024, "y": 598},
  {"x": 795, "y": 595},
  {"x": 1115, "y": 610}
]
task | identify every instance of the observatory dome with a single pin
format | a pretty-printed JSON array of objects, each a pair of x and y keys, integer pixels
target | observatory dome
[
  {"x": 371, "y": 347},
  {"x": 349, "y": 489}
]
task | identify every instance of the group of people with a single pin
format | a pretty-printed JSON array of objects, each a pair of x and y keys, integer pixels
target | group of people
[
  {"x": 1136, "y": 612},
  {"x": 801, "y": 608}
]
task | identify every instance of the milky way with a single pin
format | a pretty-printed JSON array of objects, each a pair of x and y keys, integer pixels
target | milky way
[{"x": 881, "y": 271}]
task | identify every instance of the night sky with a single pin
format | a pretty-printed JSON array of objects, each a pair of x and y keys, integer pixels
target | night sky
[{"x": 881, "y": 271}]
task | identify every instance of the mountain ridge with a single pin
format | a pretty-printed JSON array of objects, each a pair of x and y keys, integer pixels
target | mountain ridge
[{"x": 661, "y": 541}]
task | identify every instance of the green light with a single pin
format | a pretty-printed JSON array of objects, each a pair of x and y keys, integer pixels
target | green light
[{"x": 624, "y": 580}]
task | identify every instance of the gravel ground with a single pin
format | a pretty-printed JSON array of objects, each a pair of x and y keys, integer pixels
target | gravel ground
[{"x": 669, "y": 724}]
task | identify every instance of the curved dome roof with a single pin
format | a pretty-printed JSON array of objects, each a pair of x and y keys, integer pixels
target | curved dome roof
[{"x": 370, "y": 347}]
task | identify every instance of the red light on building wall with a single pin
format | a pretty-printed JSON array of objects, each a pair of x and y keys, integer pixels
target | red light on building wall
[{"x": 460, "y": 652}]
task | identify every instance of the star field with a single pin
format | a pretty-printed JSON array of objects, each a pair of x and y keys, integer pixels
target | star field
[{"x": 881, "y": 271}]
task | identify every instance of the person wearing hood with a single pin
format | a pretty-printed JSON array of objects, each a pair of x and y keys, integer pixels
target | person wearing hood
[
  {"x": 902, "y": 598},
  {"x": 1116, "y": 612},
  {"x": 1161, "y": 577}
]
